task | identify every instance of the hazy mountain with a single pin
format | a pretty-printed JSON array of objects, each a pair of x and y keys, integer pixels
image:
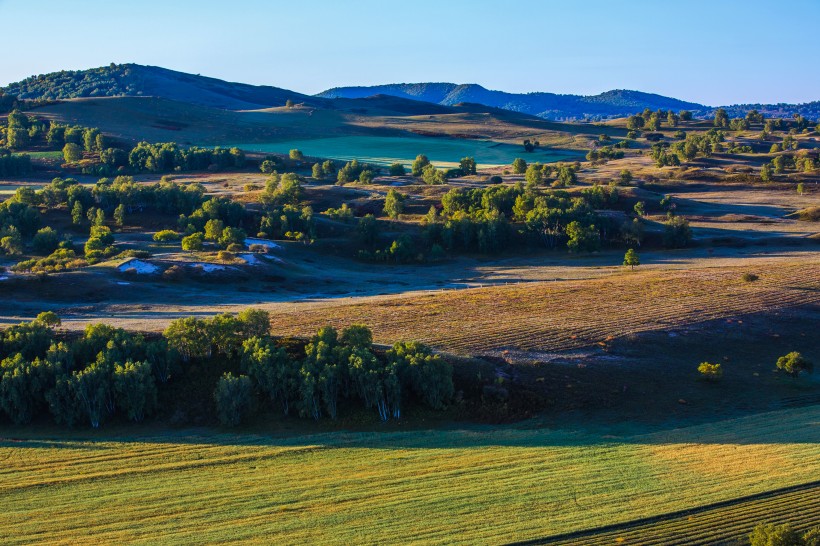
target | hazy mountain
[{"x": 545, "y": 105}]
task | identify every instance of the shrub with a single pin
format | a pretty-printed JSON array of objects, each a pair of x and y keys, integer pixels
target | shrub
[
  {"x": 258, "y": 249},
  {"x": 235, "y": 247},
  {"x": 45, "y": 241},
  {"x": 710, "y": 372},
  {"x": 225, "y": 256},
  {"x": 749, "y": 277},
  {"x": 166, "y": 236},
  {"x": 775, "y": 535},
  {"x": 396, "y": 169},
  {"x": 794, "y": 363}
]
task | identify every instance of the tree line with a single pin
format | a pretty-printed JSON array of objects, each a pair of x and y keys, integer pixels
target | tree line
[{"x": 108, "y": 372}]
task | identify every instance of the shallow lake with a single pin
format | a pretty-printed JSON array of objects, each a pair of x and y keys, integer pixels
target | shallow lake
[{"x": 443, "y": 152}]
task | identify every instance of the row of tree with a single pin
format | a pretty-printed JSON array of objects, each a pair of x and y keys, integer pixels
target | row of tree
[{"x": 109, "y": 371}]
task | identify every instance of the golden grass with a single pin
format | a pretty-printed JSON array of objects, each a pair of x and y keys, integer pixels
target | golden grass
[
  {"x": 563, "y": 314},
  {"x": 484, "y": 485}
]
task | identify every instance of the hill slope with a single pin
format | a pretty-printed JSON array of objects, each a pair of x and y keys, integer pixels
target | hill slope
[
  {"x": 545, "y": 105},
  {"x": 137, "y": 80}
]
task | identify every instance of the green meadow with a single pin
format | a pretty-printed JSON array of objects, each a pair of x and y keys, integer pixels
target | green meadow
[{"x": 470, "y": 486}]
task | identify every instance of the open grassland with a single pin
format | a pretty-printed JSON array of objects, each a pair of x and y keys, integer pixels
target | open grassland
[
  {"x": 486, "y": 485},
  {"x": 565, "y": 314}
]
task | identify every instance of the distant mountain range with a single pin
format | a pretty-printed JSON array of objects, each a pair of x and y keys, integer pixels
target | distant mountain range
[
  {"x": 139, "y": 80},
  {"x": 615, "y": 103}
]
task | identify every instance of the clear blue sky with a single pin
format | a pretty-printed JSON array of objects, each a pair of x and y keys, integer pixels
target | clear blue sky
[{"x": 709, "y": 51}]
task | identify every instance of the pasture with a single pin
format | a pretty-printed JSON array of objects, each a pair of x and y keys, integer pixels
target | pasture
[{"x": 468, "y": 486}]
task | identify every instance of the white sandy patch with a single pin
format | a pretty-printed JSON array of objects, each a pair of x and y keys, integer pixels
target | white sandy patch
[
  {"x": 264, "y": 242},
  {"x": 142, "y": 268},
  {"x": 250, "y": 259},
  {"x": 208, "y": 268}
]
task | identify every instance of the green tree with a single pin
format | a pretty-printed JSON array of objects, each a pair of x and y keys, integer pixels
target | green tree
[
  {"x": 519, "y": 165},
  {"x": 72, "y": 153},
  {"x": 193, "y": 242},
  {"x": 677, "y": 233},
  {"x": 45, "y": 241},
  {"x": 774, "y": 535},
  {"x": 582, "y": 238},
  {"x": 119, "y": 215},
  {"x": 794, "y": 363},
  {"x": 431, "y": 175},
  {"x": 625, "y": 177},
  {"x": 135, "y": 389},
  {"x": 48, "y": 318},
  {"x": 721, "y": 118},
  {"x": 467, "y": 165},
  {"x": 640, "y": 209},
  {"x": 801, "y": 189},
  {"x": 534, "y": 174},
  {"x": 634, "y": 122},
  {"x": 92, "y": 387},
  {"x": 317, "y": 172},
  {"x": 213, "y": 229},
  {"x": 234, "y": 399},
  {"x": 394, "y": 203},
  {"x": 368, "y": 230},
  {"x": 631, "y": 258},
  {"x": 396, "y": 169},
  {"x": 428, "y": 375},
  {"x": 296, "y": 155},
  {"x": 190, "y": 337},
  {"x": 273, "y": 371},
  {"x": 77, "y": 213},
  {"x": 766, "y": 172},
  {"x": 232, "y": 235},
  {"x": 419, "y": 164}
]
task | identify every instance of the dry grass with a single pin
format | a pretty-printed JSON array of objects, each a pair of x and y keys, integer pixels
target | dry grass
[{"x": 562, "y": 315}]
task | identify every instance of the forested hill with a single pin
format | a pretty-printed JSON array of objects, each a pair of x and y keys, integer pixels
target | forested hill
[
  {"x": 546, "y": 105},
  {"x": 138, "y": 80}
]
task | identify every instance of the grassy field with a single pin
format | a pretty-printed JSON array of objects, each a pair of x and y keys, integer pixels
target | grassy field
[
  {"x": 482, "y": 485},
  {"x": 562, "y": 315},
  {"x": 444, "y": 152}
]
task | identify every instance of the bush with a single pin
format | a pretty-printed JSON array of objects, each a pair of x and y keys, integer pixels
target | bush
[
  {"x": 166, "y": 236},
  {"x": 749, "y": 277},
  {"x": 234, "y": 399},
  {"x": 782, "y": 535},
  {"x": 794, "y": 363},
  {"x": 45, "y": 241},
  {"x": 225, "y": 256},
  {"x": 396, "y": 169},
  {"x": 710, "y": 372}
]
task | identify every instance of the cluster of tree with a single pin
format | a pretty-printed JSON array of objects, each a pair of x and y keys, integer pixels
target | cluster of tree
[
  {"x": 768, "y": 534},
  {"x": 170, "y": 156},
  {"x": 335, "y": 367},
  {"x": 107, "y": 372},
  {"x": 354, "y": 171},
  {"x": 652, "y": 120},
  {"x": 688, "y": 149},
  {"x": 604, "y": 153},
  {"x": 14, "y": 164}
]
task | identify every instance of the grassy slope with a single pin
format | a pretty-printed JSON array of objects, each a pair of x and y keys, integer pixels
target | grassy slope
[
  {"x": 466, "y": 486},
  {"x": 562, "y": 315}
]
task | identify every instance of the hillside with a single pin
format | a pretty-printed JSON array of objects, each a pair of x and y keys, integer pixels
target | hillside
[
  {"x": 544, "y": 105},
  {"x": 135, "y": 80}
]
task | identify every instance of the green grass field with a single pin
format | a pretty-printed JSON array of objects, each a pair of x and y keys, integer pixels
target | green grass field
[
  {"x": 443, "y": 152},
  {"x": 476, "y": 486}
]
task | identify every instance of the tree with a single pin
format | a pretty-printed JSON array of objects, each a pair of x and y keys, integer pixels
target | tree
[
  {"x": 45, "y": 241},
  {"x": 431, "y": 175},
  {"x": 394, "y": 203},
  {"x": 428, "y": 375},
  {"x": 234, "y": 399},
  {"x": 721, "y": 118},
  {"x": 534, "y": 174},
  {"x": 639, "y": 208},
  {"x": 631, "y": 258},
  {"x": 794, "y": 363},
  {"x": 92, "y": 387},
  {"x": 366, "y": 176},
  {"x": 296, "y": 155},
  {"x": 368, "y": 230},
  {"x": 77, "y": 213},
  {"x": 213, "y": 229},
  {"x": 193, "y": 242},
  {"x": 232, "y": 235},
  {"x": 775, "y": 535},
  {"x": 396, "y": 169},
  {"x": 582, "y": 238},
  {"x": 467, "y": 165},
  {"x": 135, "y": 388},
  {"x": 766, "y": 172},
  {"x": 710, "y": 372},
  {"x": 322, "y": 374},
  {"x": 685, "y": 115},
  {"x": 49, "y": 318},
  {"x": 419, "y": 164},
  {"x": 519, "y": 165},
  {"x": 317, "y": 172},
  {"x": 625, "y": 177},
  {"x": 634, "y": 122},
  {"x": 272, "y": 370},
  {"x": 801, "y": 189},
  {"x": 119, "y": 215},
  {"x": 677, "y": 232},
  {"x": 190, "y": 337},
  {"x": 72, "y": 153}
]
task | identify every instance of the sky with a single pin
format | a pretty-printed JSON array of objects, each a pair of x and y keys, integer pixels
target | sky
[{"x": 714, "y": 52}]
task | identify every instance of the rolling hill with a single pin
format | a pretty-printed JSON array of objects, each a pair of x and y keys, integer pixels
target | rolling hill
[
  {"x": 545, "y": 105},
  {"x": 133, "y": 80}
]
